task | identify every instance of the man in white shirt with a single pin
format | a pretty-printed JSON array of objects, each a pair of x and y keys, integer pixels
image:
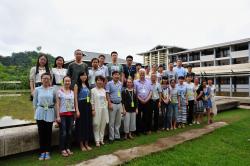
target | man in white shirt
[{"x": 102, "y": 67}]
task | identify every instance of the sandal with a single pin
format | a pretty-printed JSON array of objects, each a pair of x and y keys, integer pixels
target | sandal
[
  {"x": 64, "y": 153},
  {"x": 69, "y": 152},
  {"x": 88, "y": 147}
]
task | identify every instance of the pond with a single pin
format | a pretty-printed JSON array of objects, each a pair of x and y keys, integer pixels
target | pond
[{"x": 8, "y": 121}]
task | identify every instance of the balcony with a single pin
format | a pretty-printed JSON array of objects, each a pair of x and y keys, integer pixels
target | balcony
[
  {"x": 207, "y": 57},
  {"x": 239, "y": 54}
]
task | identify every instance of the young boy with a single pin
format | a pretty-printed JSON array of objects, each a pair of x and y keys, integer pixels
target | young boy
[{"x": 182, "y": 102}]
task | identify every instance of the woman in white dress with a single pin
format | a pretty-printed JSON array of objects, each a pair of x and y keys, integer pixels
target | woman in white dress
[
  {"x": 99, "y": 110},
  {"x": 58, "y": 73}
]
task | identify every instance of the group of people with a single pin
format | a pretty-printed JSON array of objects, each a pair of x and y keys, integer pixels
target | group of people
[{"x": 147, "y": 99}]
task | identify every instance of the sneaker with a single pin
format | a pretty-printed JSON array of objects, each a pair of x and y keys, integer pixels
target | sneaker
[
  {"x": 194, "y": 122},
  {"x": 47, "y": 156},
  {"x": 197, "y": 122},
  {"x": 41, "y": 157}
]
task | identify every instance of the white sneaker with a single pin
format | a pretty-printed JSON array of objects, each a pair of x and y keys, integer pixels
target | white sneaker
[{"x": 197, "y": 122}]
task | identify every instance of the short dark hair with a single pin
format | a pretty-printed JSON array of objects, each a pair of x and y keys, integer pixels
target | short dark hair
[
  {"x": 129, "y": 56},
  {"x": 164, "y": 78},
  {"x": 66, "y": 77},
  {"x": 138, "y": 64},
  {"x": 172, "y": 80},
  {"x": 94, "y": 59},
  {"x": 78, "y": 50},
  {"x": 101, "y": 56},
  {"x": 181, "y": 78},
  {"x": 46, "y": 74},
  {"x": 160, "y": 65},
  {"x": 189, "y": 66},
  {"x": 113, "y": 52},
  {"x": 114, "y": 72},
  {"x": 100, "y": 77}
]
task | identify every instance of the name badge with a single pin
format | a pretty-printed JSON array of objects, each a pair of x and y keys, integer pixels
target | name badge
[
  {"x": 46, "y": 106},
  {"x": 132, "y": 104},
  {"x": 119, "y": 93},
  {"x": 143, "y": 90},
  {"x": 87, "y": 99}
]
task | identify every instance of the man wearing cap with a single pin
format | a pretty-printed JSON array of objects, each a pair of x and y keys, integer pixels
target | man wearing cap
[{"x": 76, "y": 67}]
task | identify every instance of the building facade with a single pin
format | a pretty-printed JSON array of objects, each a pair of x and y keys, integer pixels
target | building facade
[{"x": 227, "y": 63}]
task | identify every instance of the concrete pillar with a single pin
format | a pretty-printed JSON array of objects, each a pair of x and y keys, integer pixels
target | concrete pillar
[
  {"x": 200, "y": 59},
  {"x": 188, "y": 58},
  {"x": 231, "y": 94},
  {"x": 158, "y": 59},
  {"x": 230, "y": 55},
  {"x": 214, "y": 57},
  {"x": 167, "y": 58},
  {"x": 150, "y": 59}
]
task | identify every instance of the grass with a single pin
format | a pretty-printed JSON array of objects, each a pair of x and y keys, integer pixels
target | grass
[
  {"x": 225, "y": 146},
  {"x": 233, "y": 117},
  {"x": 19, "y": 107}
]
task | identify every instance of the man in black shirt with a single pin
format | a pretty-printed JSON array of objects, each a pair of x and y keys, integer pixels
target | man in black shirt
[
  {"x": 128, "y": 70},
  {"x": 190, "y": 73}
]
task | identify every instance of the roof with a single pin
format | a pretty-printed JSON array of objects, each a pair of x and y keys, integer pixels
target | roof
[
  {"x": 160, "y": 47},
  {"x": 90, "y": 55},
  {"x": 214, "y": 46}
]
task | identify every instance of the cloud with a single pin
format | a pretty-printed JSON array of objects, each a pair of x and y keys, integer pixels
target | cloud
[{"x": 130, "y": 27}]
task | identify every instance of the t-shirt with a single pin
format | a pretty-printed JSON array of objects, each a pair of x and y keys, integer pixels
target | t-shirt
[
  {"x": 190, "y": 91},
  {"x": 58, "y": 75},
  {"x": 74, "y": 70},
  {"x": 170, "y": 74},
  {"x": 191, "y": 74},
  {"x": 180, "y": 71},
  {"x": 114, "y": 67},
  {"x": 182, "y": 91},
  {"x": 156, "y": 90},
  {"x": 67, "y": 106},
  {"x": 199, "y": 90},
  {"x": 129, "y": 71},
  {"x": 174, "y": 95},
  {"x": 92, "y": 74}
]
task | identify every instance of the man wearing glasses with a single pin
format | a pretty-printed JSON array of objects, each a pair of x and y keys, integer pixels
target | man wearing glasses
[
  {"x": 128, "y": 70},
  {"x": 76, "y": 67}
]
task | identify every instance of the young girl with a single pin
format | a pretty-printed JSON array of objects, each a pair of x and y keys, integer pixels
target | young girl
[
  {"x": 99, "y": 110},
  {"x": 65, "y": 115},
  {"x": 129, "y": 102},
  {"x": 173, "y": 106},
  {"x": 83, "y": 111},
  {"x": 167, "y": 114}
]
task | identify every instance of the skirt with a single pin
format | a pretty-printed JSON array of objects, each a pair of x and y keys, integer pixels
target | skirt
[
  {"x": 84, "y": 129},
  {"x": 199, "y": 107}
]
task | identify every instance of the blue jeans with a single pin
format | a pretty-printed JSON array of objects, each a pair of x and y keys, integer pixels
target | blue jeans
[
  {"x": 167, "y": 116},
  {"x": 66, "y": 126},
  {"x": 174, "y": 108}
]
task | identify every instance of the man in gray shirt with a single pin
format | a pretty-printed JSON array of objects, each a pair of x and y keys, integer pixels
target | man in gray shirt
[
  {"x": 170, "y": 73},
  {"x": 77, "y": 67}
]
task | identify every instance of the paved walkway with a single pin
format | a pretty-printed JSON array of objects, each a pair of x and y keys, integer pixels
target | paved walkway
[{"x": 122, "y": 156}]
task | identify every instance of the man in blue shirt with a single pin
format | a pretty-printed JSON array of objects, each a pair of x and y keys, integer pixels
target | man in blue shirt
[
  {"x": 128, "y": 70},
  {"x": 114, "y": 90},
  {"x": 181, "y": 72}
]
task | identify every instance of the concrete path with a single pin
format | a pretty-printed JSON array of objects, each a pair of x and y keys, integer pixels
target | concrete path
[{"x": 122, "y": 156}]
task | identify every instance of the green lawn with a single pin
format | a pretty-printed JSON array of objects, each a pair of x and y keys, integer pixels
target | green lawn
[
  {"x": 225, "y": 146},
  {"x": 19, "y": 107},
  {"x": 234, "y": 117}
]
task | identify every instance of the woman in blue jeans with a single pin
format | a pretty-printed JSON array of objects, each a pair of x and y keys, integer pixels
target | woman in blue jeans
[
  {"x": 65, "y": 115},
  {"x": 173, "y": 106}
]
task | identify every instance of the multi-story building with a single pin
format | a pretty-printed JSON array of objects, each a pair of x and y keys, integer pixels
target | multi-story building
[{"x": 227, "y": 63}]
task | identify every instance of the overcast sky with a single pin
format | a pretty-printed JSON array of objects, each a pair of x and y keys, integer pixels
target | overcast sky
[{"x": 129, "y": 27}]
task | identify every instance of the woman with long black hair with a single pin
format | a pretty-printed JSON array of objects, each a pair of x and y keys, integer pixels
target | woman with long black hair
[
  {"x": 58, "y": 73},
  {"x": 42, "y": 66},
  {"x": 83, "y": 111}
]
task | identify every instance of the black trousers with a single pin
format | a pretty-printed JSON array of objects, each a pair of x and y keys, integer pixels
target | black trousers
[
  {"x": 145, "y": 123},
  {"x": 190, "y": 109},
  {"x": 44, "y": 132},
  {"x": 66, "y": 126},
  {"x": 155, "y": 109}
]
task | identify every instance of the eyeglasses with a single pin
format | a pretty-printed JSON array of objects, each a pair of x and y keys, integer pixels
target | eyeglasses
[
  {"x": 46, "y": 78},
  {"x": 79, "y": 53}
]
